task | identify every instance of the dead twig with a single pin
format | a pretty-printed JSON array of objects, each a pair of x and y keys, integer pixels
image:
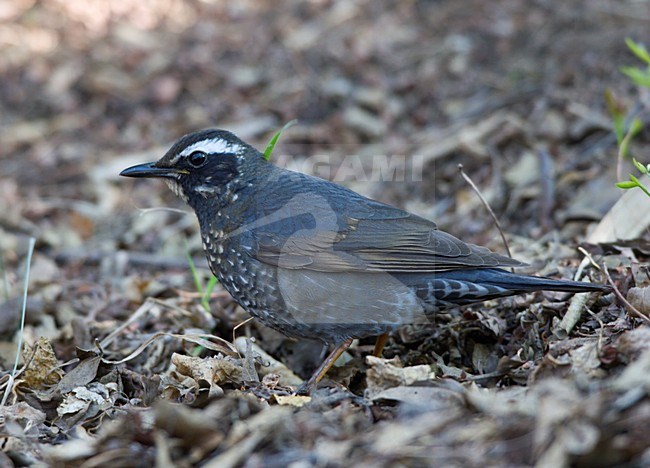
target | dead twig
[
  {"x": 234, "y": 331},
  {"x": 143, "y": 309},
  {"x": 220, "y": 294},
  {"x": 633, "y": 310},
  {"x": 221, "y": 345},
  {"x": 487, "y": 207},
  {"x": 601, "y": 331}
]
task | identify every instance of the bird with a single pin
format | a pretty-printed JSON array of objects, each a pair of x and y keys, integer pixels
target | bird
[{"x": 315, "y": 260}]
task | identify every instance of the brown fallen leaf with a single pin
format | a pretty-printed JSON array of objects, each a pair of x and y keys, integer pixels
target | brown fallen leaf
[
  {"x": 297, "y": 401},
  {"x": 387, "y": 373},
  {"x": 619, "y": 224},
  {"x": 640, "y": 299},
  {"x": 41, "y": 370}
]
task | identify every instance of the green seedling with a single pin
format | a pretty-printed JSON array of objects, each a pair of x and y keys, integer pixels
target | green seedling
[
  {"x": 634, "y": 182},
  {"x": 625, "y": 128},
  {"x": 204, "y": 291},
  {"x": 640, "y": 76},
  {"x": 274, "y": 139}
]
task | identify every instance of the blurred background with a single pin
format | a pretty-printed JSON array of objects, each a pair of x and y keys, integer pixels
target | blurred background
[{"x": 512, "y": 90}]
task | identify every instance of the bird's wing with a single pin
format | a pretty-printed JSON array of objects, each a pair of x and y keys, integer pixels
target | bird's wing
[{"x": 367, "y": 236}]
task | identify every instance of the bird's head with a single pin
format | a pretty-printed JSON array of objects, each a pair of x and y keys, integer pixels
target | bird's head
[{"x": 205, "y": 165}]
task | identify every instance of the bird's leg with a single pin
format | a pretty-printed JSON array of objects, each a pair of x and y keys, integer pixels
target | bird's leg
[
  {"x": 329, "y": 361},
  {"x": 379, "y": 344}
]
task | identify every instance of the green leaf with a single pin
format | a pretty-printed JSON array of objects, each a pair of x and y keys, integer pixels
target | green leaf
[
  {"x": 617, "y": 111},
  {"x": 639, "y": 184},
  {"x": 642, "y": 169},
  {"x": 625, "y": 185},
  {"x": 272, "y": 142},
  {"x": 635, "y": 126},
  {"x": 624, "y": 145},
  {"x": 195, "y": 273},
  {"x": 205, "y": 299},
  {"x": 614, "y": 107},
  {"x": 640, "y": 77},
  {"x": 638, "y": 49},
  {"x": 619, "y": 128}
]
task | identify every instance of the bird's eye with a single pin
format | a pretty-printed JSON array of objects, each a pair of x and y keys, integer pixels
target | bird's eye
[{"x": 197, "y": 159}]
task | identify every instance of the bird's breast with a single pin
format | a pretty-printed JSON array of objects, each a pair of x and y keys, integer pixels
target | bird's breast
[{"x": 250, "y": 283}]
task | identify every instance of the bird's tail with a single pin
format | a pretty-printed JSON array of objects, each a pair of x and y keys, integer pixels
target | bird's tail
[
  {"x": 522, "y": 283},
  {"x": 467, "y": 286}
]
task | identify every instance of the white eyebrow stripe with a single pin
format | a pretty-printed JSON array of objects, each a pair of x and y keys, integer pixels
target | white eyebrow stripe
[{"x": 216, "y": 145}]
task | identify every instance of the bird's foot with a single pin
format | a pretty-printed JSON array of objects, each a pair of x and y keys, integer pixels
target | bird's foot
[{"x": 305, "y": 388}]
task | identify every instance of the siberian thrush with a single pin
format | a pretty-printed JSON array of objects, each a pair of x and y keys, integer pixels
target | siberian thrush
[{"x": 316, "y": 260}]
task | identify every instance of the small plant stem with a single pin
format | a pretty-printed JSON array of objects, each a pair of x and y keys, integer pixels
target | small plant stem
[
  {"x": 28, "y": 262},
  {"x": 487, "y": 206}
]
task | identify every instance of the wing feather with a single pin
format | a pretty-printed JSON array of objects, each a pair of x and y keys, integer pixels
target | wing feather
[
  {"x": 316, "y": 225},
  {"x": 397, "y": 243}
]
